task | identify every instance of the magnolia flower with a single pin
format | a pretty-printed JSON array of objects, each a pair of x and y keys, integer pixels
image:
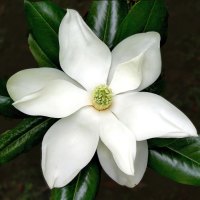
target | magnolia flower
[{"x": 97, "y": 96}]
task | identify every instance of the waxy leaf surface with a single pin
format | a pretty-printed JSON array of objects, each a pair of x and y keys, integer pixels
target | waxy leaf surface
[{"x": 178, "y": 160}]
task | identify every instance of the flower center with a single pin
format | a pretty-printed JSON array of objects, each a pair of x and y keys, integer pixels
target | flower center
[{"x": 102, "y": 97}]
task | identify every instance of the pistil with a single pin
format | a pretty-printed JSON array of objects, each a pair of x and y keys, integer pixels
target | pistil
[{"x": 102, "y": 97}]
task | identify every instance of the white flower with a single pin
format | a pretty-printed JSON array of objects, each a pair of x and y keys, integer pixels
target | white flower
[{"x": 100, "y": 104}]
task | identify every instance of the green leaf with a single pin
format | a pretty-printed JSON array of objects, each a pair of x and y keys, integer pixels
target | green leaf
[
  {"x": 144, "y": 16},
  {"x": 20, "y": 139},
  {"x": 6, "y": 107},
  {"x": 179, "y": 161},
  {"x": 160, "y": 142},
  {"x": 3, "y": 89},
  {"x": 39, "y": 55},
  {"x": 131, "y": 3},
  {"x": 44, "y": 19},
  {"x": 25, "y": 125},
  {"x": 104, "y": 18},
  {"x": 83, "y": 187}
]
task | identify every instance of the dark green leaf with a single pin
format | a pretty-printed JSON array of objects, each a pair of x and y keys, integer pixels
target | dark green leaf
[
  {"x": 83, "y": 187},
  {"x": 20, "y": 139},
  {"x": 160, "y": 142},
  {"x": 104, "y": 18},
  {"x": 43, "y": 19},
  {"x": 6, "y": 107},
  {"x": 24, "y": 126},
  {"x": 144, "y": 16},
  {"x": 39, "y": 55},
  {"x": 179, "y": 161},
  {"x": 3, "y": 89},
  {"x": 130, "y": 3}
]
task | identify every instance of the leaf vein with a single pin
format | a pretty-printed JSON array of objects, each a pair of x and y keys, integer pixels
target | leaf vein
[
  {"x": 151, "y": 12},
  {"x": 183, "y": 155},
  {"x": 45, "y": 21}
]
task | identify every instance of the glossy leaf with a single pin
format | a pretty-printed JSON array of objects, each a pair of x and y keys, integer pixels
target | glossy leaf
[
  {"x": 25, "y": 125},
  {"x": 104, "y": 18},
  {"x": 6, "y": 107},
  {"x": 3, "y": 89},
  {"x": 83, "y": 187},
  {"x": 39, "y": 55},
  {"x": 179, "y": 161},
  {"x": 160, "y": 142},
  {"x": 20, "y": 139},
  {"x": 144, "y": 16},
  {"x": 43, "y": 19}
]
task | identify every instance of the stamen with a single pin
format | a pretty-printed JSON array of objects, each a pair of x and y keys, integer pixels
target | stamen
[{"x": 102, "y": 97}]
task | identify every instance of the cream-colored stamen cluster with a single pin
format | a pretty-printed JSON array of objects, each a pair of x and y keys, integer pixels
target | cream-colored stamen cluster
[{"x": 102, "y": 97}]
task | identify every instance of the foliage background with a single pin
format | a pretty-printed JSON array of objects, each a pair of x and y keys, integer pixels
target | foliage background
[{"x": 22, "y": 179}]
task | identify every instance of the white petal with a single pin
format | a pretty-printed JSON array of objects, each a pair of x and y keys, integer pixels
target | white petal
[
  {"x": 68, "y": 146},
  {"x": 108, "y": 164},
  {"x": 148, "y": 115},
  {"x": 119, "y": 140},
  {"x": 147, "y": 44},
  {"x": 83, "y": 56},
  {"x": 28, "y": 81},
  {"x": 57, "y": 99},
  {"x": 127, "y": 76}
]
